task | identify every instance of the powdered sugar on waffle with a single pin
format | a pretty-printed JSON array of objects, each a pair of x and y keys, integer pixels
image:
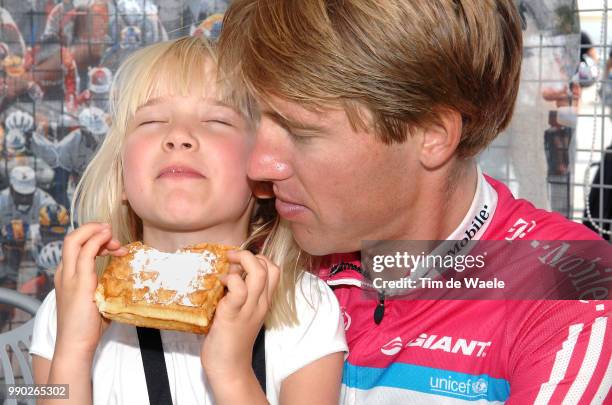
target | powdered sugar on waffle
[{"x": 180, "y": 271}]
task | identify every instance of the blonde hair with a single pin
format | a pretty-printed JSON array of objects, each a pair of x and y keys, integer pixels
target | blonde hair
[
  {"x": 405, "y": 61},
  {"x": 175, "y": 67}
]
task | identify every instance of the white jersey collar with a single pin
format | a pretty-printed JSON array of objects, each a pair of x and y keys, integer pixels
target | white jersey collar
[{"x": 479, "y": 215}]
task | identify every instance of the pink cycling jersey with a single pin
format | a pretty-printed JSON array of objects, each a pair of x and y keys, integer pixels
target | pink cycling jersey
[{"x": 476, "y": 351}]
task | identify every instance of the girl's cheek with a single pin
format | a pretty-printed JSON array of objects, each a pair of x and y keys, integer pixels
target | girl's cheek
[
  {"x": 134, "y": 155},
  {"x": 134, "y": 146},
  {"x": 235, "y": 150}
]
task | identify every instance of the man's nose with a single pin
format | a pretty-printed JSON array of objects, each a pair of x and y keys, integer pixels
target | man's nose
[{"x": 269, "y": 161}]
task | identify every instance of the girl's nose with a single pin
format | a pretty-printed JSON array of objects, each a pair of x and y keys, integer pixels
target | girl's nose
[
  {"x": 179, "y": 138},
  {"x": 183, "y": 145}
]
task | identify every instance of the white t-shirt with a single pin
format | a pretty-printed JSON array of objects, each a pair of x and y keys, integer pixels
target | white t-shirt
[{"x": 118, "y": 374}]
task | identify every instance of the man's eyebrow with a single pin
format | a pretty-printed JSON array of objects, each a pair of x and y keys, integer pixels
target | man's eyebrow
[{"x": 288, "y": 123}]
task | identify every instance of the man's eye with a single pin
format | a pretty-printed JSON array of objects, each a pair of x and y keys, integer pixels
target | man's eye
[{"x": 300, "y": 136}]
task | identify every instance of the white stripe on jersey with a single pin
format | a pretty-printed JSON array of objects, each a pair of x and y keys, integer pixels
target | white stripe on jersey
[
  {"x": 591, "y": 358},
  {"x": 345, "y": 281},
  {"x": 562, "y": 360},
  {"x": 399, "y": 396},
  {"x": 604, "y": 388}
]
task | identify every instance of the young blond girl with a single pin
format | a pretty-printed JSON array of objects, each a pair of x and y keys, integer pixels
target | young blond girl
[{"x": 172, "y": 172}]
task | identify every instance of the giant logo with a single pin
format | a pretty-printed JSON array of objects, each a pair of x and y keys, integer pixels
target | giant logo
[
  {"x": 393, "y": 347},
  {"x": 446, "y": 344}
]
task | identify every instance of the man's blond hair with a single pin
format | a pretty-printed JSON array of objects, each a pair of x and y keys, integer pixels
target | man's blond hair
[{"x": 405, "y": 61}]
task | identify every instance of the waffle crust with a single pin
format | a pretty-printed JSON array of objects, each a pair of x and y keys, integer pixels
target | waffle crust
[{"x": 121, "y": 297}]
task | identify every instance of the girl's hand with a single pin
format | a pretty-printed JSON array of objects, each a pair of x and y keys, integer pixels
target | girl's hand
[
  {"x": 228, "y": 347},
  {"x": 79, "y": 323}
]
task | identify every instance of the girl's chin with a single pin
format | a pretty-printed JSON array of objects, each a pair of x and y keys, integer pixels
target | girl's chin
[
  {"x": 179, "y": 226},
  {"x": 183, "y": 227}
]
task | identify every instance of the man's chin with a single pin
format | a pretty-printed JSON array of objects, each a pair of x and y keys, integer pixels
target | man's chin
[{"x": 320, "y": 243}]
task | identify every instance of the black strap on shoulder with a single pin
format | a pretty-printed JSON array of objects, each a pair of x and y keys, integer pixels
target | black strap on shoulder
[
  {"x": 259, "y": 359},
  {"x": 156, "y": 373},
  {"x": 154, "y": 364}
]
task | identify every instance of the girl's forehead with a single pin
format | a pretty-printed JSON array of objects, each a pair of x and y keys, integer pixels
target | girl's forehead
[
  {"x": 164, "y": 92},
  {"x": 167, "y": 83},
  {"x": 195, "y": 102},
  {"x": 170, "y": 82},
  {"x": 189, "y": 74}
]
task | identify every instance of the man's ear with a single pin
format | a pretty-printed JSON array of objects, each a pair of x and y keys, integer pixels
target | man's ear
[{"x": 439, "y": 141}]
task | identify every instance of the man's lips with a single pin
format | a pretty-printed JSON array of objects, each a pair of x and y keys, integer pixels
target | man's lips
[
  {"x": 179, "y": 172},
  {"x": 288, "y": 209}
]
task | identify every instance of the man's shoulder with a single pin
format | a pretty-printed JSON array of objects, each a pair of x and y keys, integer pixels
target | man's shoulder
[{"x": 516, "y": 218}]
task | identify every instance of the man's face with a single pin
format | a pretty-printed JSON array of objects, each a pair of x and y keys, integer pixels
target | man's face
[{"x": 336, "y": 185}]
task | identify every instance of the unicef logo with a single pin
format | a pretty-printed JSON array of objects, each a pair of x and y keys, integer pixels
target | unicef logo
[{"x": 479, "y": 386}]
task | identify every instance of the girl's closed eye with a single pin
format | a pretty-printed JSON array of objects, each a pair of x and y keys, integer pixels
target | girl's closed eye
[
  {"x": 219, "y": 115},
  {"x": 149, "y": 115},
  {"x": 221, "y": 121},
  {"x": 143, "y": 120},
  {"x": 147, "y": 122}
]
